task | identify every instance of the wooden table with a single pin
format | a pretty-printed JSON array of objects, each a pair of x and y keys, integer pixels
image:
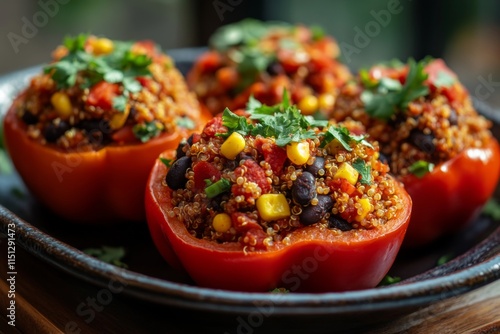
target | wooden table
[{"x": 51, "y": 301}]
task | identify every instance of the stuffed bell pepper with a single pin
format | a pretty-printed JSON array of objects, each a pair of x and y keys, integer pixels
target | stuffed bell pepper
[
  {"x": 433, "y": 139},
  {"x": 84, "y": 134},
  {"x": 269, "y": 198},
  {"x": 257, "y": 58}
]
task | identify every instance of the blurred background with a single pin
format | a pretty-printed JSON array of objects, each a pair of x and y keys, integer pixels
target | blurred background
[{"x": 465, "y": 33}]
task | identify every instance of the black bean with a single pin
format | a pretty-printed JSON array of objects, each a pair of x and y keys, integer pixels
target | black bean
[
  {"x": 180, "y": 149},
  {"x": 319, "y": 163},
  {"x": 423, "y": 141},
  {"x": 384, "y": 159},
  {"x": 29, "y": 118},
  {"x": 176, "y": 176},
  {"x": 304, "y": 189},
  {"x": 52, "y": 131},
  {"x": 275, "y": 68},
  {"x": 453, "y": 119},
  {"x": 313, "y": 213},
  {"x": 338, "y": 222}
]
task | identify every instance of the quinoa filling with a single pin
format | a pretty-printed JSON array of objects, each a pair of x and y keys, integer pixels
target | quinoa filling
[
  {"x": 420, "y": 114},
  {"x": 255, "y": 176},
  {"x": 99, "y": 92}
]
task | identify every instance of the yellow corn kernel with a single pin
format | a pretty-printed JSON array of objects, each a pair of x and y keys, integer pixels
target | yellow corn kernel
[
  {"x": 221, "y": 222},
  {"x": 119, "y": 118},
  {"x": 273, "y": 207},
  {"x": 365, "y": 208},
  {"x": 298, "y": 153},
  {"x": 102, "y": 46},
  {"x": 233, "y": 145},
  {"x": 346, "y": 171},
  {"x": 308, "y": 104},
  {"x": 326, "y": 101},
  {"x": 62, "y": 104}
]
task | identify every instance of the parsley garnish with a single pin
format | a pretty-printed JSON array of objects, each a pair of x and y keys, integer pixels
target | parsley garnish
[
  {"x": 444, "y": 79},
  {"x": 443, "y": 259},
  {"x": 112, "y": 255},
  {"x": 492, "y": 209},
  {"x": 282, "y": 121},
  {"x": 147, "y": 131},
  {"x": 217, "y": 188},
  {"x": 121, "y": 66},
  {"x": 388, "y": 280},
  {"x": 388, "y": 96},
  {"x": 344, "y": 137},
  {"x": 420, "y": 168},
  {"x": 364, "y": 170},
  {"x": 185, "y": 122},
  {"x": 166, "y": 162}
]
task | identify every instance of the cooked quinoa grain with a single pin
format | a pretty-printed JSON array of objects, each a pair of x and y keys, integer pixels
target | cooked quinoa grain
[
  {"x": 258, "y": 197},
  {"x": 420, "y": 131}
]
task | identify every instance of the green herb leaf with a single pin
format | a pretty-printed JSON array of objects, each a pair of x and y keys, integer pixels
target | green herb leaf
[
  {"x": 444, "y": 79},
  {"x": 235, "y": 123},
  {"x": 492, "y": 209},
  {"x": 279, "y": 290},
  {"x": 388, "y": 96},
  {"x": 77, "y": 43},
  {"x": 147, "y": 131},
  {"x": 18, "y": 193},
  {"x": 120, "y": 102},
  {"x": 185, "y": 122},
  {"x": 344, "y": 137},
  {"x": 112, "y": 255},
  {"x": 420, "y": 168},
  {"x": 364, "y": 170},
  {"x": 166, "y": 162},
  {"x": 218, "y": 188},
  {"x": 443, "y": 259},
  {"x": 317, "y": 33},
  {"x": 388, "y": 280}
]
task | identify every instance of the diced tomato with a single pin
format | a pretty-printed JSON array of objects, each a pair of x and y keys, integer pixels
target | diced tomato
[
  {"x": 209, "y": 62},
  {"x": 204, "y": 170},
  {"x": 253, "y": 173},
  {"x": 273, "y": 154},
  {"x": 144, "y": 81},
  {"x": 124, "y": 135},
  {"x": 102, "y": 94},
  {"x": 250, "y": 228},
  {"x": 343, "y": 185},
  {"x": 213, "y": 127}
]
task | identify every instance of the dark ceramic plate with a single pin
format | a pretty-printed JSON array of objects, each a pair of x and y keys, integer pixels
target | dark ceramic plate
[{"x": 475, "y": 259}]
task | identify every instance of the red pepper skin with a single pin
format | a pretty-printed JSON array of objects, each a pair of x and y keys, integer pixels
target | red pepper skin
[
  {"x": 314, "y": 261},
  {"x": 103, "y": 186},
  {"x": 452, "y": 195}
]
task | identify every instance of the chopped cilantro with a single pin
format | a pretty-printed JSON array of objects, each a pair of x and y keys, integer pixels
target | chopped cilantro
[
  {"x": 388, "y": 96},
  {"x": 112, "y": 255},
  {"x": 185, "y": 122},
  {"x": 492, "y": 209},
  {"x": 166, "y": 162},
  {"x": 217, "y": 188},
  {"x": 344, "y": 137},
  {"x": 444, "y": 79},
  {"x": 76, "y": 43},
  {"x": 317, "y": 33},
  {"x": 388, "y": 280},
  {"x": 282, "y": 121},
  {"x": 443, "y": 259},
  {"x": 420, "y": 168},
  {"x": 279, "y": 290},
  {"x": 364, "y": 170},
  {"x": 147, "y": 131},
  {"x": 121, "y": 66},
  {"x": 5, "y": 165}
]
